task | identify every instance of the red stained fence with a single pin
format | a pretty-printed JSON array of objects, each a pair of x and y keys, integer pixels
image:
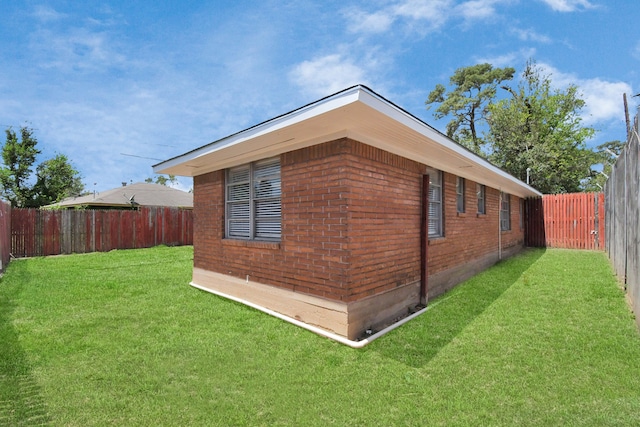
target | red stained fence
[
  {"x": 5, "y": 234},
  {"x": 569, "y": 221},
  {"x": 36, "y": 232}
]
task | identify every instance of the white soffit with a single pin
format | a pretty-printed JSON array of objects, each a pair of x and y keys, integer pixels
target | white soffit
[{"x": 357, "y": 113}]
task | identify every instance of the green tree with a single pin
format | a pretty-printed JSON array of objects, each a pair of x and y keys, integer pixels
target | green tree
[
  {"x": 474, "y": 89},
  {"x": 162, "y": 180},
  {"x": 55, "y": 178},
  {"x": 18, "y": 156},
  {"x": 539, "y": 128},
  {"x": 606, "y": 155}
]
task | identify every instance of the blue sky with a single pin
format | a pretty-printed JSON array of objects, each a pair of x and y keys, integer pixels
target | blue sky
[{"x": 104, "y": 82}]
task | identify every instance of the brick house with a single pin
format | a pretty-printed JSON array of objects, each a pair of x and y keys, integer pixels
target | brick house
[{"x": 346, "y": 214}]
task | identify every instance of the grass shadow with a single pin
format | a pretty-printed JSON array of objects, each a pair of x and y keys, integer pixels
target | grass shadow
[
  {"x": 21, "y": 402},
  {"x": 420, "y": 340}
]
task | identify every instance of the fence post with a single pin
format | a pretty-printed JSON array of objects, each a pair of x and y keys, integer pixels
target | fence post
[{"x": 5, "y": 234}]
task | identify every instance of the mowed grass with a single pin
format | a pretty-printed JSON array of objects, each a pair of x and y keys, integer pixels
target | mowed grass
[{"x": 119, "y": 338}]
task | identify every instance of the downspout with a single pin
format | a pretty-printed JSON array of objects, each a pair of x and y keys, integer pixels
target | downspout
[
  {"x": 424, "y": 243},
  {"x": 500, "y": 226}
]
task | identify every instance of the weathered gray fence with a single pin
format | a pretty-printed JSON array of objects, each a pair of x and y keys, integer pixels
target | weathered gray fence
[
  {"x": 623, "y": 218},
  {"x": 5, "y": 234}
]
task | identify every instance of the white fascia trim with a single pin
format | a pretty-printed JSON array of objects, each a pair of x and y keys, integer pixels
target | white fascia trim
[
  {"x": 380, "y": 104},
  {"x": 311, "y": 110},
  {"x": 348, "y": 96}
]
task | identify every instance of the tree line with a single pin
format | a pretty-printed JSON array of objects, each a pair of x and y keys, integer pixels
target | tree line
[
  {"x": 55, "y": 179},
  {"x": 535, "y": 132}
]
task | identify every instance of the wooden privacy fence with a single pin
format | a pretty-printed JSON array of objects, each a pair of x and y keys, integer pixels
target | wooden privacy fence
[
  {"x": 622, "y": 192},
  {"x": 569, "y": 221},
  {"x": 36, "y": 232},
  {"x": 5, "y": 234}
]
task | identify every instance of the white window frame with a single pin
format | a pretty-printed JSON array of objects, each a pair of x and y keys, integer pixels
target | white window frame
[
  {"x": 481, "y": 193},
  {"x": 505, "y": 211},
  {"x": 460, "y": 200},
  {"x": 253, "y": 208},
  {"x": 436, "y": 205}
]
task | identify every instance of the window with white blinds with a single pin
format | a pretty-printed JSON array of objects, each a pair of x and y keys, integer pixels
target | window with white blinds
[
  {"x": 435, "y": 203},
  {"x": 480, "y": 192},
  {"x": 505, "y": 212},
  {"x": 253, "y": 210},
  {"x": 460, "y": 202}
]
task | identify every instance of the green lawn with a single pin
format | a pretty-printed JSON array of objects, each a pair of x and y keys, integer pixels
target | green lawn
[{"x": 544, "y": 338}]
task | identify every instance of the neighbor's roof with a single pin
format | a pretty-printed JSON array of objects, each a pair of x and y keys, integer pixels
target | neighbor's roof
[
  {"x": 357, "y": 113},
  {"x": 143, "y": 194}
]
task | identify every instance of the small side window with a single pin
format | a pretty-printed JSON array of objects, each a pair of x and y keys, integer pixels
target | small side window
[
  {"x": 460, "y": 184},
  {"x": 505, "y": 212},
  {"x": 480, "y": 192}
]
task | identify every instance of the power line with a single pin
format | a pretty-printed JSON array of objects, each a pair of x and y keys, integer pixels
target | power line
[{"x": 140, "y": 157}]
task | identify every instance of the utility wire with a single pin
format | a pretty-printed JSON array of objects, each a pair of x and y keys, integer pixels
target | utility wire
[{"x": 140, "y": 157}]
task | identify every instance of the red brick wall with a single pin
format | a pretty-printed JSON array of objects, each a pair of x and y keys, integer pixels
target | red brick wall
[
  {"x": 468, "y": 236},
  {"x": 314, "y": 219},
  {"x": 384, "y": 220},
  {"x": 350, "y": 225}
]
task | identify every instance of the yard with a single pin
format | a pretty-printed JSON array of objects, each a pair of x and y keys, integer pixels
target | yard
[{"x": 119, "y": 338}]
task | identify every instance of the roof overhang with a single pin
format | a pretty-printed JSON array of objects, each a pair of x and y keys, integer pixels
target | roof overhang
[{"x": 357, "y": 113}]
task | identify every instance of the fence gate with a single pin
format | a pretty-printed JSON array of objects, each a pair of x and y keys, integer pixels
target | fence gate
[{"x": 569, "y": 221}]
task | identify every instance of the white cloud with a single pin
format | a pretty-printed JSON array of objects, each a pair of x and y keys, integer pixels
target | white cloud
[
  {"x": 47, "y": 14},
  {"x": 421, "y": 16},
  {"x": 327, "y": 74},
  {"x": 94, "y": 95},
  {"x": 477, "y": 9},
  {"x": 603, "y": 98},
  {"x": 568, "y": 5},
  {"x": 530, "y": 35},
  {"x": 433, "y": 11},
  {"x": 509, "y": 59},
  {"x": 636, "y": 51},
  {"x": 79, "y": 49},
  {"x": 73, "y": 44},
  {"x": 362, "y": 22}
]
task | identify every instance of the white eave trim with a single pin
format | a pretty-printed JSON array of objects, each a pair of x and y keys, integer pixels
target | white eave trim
[
  {"x": 375, "y": 101},
  {"x": 317, "y": 108},
  {"x": 330, "y": 104}
]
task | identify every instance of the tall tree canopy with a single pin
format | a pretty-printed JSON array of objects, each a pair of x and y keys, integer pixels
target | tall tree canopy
[
  {"x": 474, "y": 88},
  {"x": 535, "y": 128},
  {"x": 18, "y": 156},
  {"x": 606, "y": 154},
  {"x": 55, "y": 178},
  {"x": 539, "y": 128}
]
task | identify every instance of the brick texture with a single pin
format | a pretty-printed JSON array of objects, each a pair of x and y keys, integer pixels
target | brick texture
[
  {"x": 468, "y": 236},
  {"x": 350, "y": 225}
]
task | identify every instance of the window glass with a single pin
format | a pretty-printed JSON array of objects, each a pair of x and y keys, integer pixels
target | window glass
[
  {"x": 253, "y": 209},
  {"x": 435, "y": 203},
  {"x": 480, "y": 192},
  {"x": 460, "y": 194},
  {"x": 505, "y": 212}
]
